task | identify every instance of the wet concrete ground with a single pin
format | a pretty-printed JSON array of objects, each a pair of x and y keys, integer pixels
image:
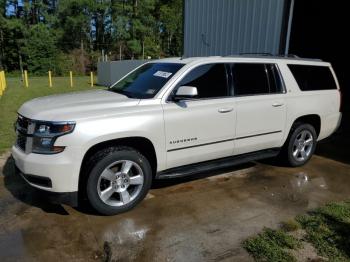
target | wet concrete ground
[{"x": 200, "y": 219}]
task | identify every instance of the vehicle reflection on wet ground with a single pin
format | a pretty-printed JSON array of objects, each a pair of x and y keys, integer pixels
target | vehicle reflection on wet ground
[{"x": 200, "y": 218}]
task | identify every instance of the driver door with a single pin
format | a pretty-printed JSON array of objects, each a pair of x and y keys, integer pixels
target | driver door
[{"x": 203, "y": 128}]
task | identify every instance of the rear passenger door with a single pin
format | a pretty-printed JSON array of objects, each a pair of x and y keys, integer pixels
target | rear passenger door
[{"x": 260, "y": 103}]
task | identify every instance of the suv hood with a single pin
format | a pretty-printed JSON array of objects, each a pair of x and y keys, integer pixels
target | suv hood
[{"x": 75, "y": 106}]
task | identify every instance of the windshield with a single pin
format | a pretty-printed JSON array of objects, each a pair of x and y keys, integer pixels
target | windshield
[{"x": 146, "y": 81}]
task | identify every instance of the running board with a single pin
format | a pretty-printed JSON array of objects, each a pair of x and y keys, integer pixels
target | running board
[{"x": 216, "y": 164}]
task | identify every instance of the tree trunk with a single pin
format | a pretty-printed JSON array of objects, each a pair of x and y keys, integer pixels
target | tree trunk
[
  {"x": 82, "y": 58},
  {"x": 143, "y": 50},
  {"x": 21, "y": 65}
]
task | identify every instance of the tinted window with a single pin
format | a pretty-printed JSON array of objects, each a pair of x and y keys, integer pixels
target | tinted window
[
  {"x": 253, "y": 79},
  {"x": 146, "y": 81},
  {"x": 275, "y": 80},
  {"x": 313, "y": 77},
  {"x": 210, "y": 80}
]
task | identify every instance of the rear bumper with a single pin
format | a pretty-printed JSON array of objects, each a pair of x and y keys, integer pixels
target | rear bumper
[
  {"x": 329, "y": 125},
  {"x": 68, "y": 198}
]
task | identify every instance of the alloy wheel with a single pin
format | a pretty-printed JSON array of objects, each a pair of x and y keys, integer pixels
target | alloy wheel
[
  {"x": 120, "y": 183},
  {"x": 302, "y": 146}
]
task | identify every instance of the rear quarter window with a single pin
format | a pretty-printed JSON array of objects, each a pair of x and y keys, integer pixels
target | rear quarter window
[{"x": 311, "y": 78}]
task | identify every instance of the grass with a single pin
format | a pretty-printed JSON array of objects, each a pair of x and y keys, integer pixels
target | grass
[
  {"x": 290, "y": 225},
  {"x": 271, "y": 245},
  {"x": 16, "y": 94},
  {"x": 327, "y": 229}
]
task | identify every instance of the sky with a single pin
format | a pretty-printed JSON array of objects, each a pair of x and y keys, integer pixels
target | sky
[{"x": 10, "y": 8}]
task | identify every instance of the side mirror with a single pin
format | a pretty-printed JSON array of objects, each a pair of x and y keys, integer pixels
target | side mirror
[{"x": 185, "y": 92}]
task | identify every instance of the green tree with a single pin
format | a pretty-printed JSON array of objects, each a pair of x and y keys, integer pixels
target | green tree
[
  {"x": 120, "y": 26},
  {"x": 74, "y": 23},
  {"x": 13, "y": 40},
  {"x": 71, "y": 34},
  {"x": 2, "y": 29},
  {"x": 40, "y": 49},
  {"x": 171, "y": 26}
]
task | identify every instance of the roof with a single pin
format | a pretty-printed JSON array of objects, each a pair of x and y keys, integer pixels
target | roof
[{"x": 242, "y": 58}]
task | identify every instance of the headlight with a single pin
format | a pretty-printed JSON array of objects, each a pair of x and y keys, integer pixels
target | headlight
[{"x": 45, "y": 135}]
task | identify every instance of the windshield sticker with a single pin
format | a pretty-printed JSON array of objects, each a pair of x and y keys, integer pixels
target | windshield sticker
[{"x": 162, "y": 74}]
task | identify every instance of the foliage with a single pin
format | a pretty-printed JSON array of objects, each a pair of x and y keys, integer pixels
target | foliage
[
  {"x": 40, "y": 50},
  {"x": 39, "y": 34},
  {"x": 328, "y": 229},
  {"x": 271, "y": 245},
  {"x": 290, "y": 225}
]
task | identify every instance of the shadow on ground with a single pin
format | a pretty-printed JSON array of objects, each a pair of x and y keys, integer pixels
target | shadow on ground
[{"x": 23, "y": 192}]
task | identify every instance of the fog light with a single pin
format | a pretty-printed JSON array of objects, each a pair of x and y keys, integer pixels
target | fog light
[{"x": 46, "y": 142}]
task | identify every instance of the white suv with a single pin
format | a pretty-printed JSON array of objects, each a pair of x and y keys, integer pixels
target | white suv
[{"x": 171, "y": 118}]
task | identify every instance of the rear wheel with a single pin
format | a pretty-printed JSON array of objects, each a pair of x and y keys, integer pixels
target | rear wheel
[
  {"x": 118, "y": 181},
  {"x": 300, "y": 146}
]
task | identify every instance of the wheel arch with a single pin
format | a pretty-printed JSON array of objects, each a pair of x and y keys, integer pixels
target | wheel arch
[
  {"x": 141, "y": 144},
  {"x": 312, "y": 119}
]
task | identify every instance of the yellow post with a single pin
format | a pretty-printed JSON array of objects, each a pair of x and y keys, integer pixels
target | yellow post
[
  {"x": 4, "y": 80},
  {"x": 1, "y": 84},
  {"x": 26, "y": 83},
  {"x": 50, "y": 79},
  {"x": 92, "y": 79},
  {"x": 71, "y": 78}
]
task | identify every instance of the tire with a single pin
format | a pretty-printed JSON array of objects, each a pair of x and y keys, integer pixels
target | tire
[
  {"x": 300, "y": 145},
  {"x": 119, "y": 179}
]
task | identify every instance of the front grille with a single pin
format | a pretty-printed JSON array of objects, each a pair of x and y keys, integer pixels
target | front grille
[
  {"x": 23, "y": 130},
  {"x": 21, "y": 141}
]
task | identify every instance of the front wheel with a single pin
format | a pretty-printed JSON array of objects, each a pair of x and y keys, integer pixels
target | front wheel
[
  {"x": 119, "y": 181},
  {"x": 301, "y": 145}
]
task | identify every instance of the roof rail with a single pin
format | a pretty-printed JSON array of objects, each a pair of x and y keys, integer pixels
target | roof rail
[
  {"x": 262, "y": 54},
  {"x": 270, "y": 54},
  {"x": 290, "y": 56}
]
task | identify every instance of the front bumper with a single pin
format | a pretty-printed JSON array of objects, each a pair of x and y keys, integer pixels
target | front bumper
[
  {"x": 68, "y": 198},
  {"x": 54, "y": 173}
]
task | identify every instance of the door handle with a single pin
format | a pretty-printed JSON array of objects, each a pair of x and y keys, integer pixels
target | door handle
[
  {"x": 277, "y": 104},
  {"x": 225, "y": 110}
]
